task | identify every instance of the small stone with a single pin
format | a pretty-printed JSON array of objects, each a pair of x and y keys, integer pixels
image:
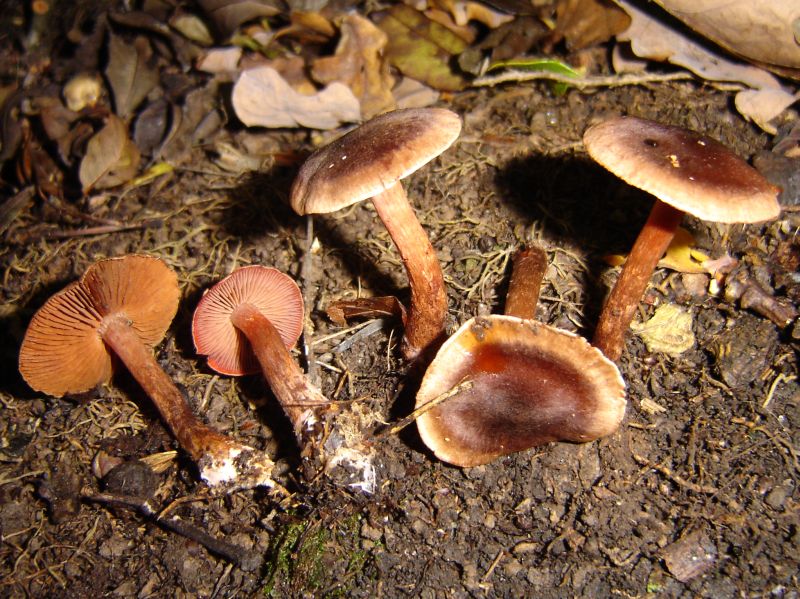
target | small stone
[
  {"x": 776, "y": 498},
  {"x": 690, "y": 556},
  {"x": 512, "y": 567},
  {"x": 370, "y": 532}
]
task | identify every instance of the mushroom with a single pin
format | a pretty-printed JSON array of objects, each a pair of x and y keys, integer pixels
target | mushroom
[
  {"x": 251, "y": 319},
  {"x": 686, "y": 172},
  {"x": 505, "y": 383},
  {"x": 122, "y": 307},
  {"x": 368, "y": 162}
]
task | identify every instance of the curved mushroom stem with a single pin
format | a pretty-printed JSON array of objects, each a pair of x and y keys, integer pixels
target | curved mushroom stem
[
  {"x": 222, "y": 460},
  {"x": 650, "y": 245},
  {"x": 299, "y": 399},
  {"x": 428, "y": 308},
  {"x": 527, "y": 273}
]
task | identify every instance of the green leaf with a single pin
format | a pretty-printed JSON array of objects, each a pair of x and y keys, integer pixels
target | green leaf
[{"x": 543, "y": 65}]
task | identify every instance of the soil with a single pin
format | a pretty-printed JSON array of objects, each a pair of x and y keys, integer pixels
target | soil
[{"x": 695, "y": 495}]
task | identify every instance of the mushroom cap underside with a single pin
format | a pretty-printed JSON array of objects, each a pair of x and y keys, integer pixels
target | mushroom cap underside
[
  {"x": 372, "y": 158},
  {"x": 685, "y": 169},
  {"x": 271, "y": 292},
  {"x": 63, "y": 350},
  {"x": 530, "y": 384}
]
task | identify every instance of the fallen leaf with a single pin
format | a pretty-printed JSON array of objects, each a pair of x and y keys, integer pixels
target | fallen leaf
[
  {"x": 668, "y": 331},
  {"x": 35, "y": 165},
  {"x": 422, "y": 49},
  {"x": 261, "y": 97},
  {"x": 760, "y": 30},
  {"x": 681, "y": 257},
  {"x": 111, "y": 157},
  {"x": 152, "y": 124},
  {"x": 465, "y": 11},
  {"x": 445, "y": 19},
  {"x": 509, "y": 41},
  {"x": 358, "y": 63},
  {"x": 192, "y": 28},
  {"x": 341, "y": 311},
  {"x": 219, "y": 60},
  {"x": 130, "y": 72},
  {"x": 762, "y": 105},
  {"x": 585, "y": 23},
  {"x": 227, "y": 15},
  {"x": 652, "y": 38},
  {"x": 410, "y": 93},
  {"x": 542, "y": 65},
  {"x": 187, "y": 122}
]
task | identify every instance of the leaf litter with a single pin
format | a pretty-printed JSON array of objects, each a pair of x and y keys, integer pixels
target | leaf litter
[{"x": 146, "y": 156}]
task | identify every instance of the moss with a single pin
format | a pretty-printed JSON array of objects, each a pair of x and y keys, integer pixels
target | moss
[{"x": 320, "y": 557}]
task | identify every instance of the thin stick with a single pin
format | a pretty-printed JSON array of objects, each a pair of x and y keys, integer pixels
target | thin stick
[
  {"x": 404, "y": 422},
  {"x": 307, "y": 274},
  {"x": 246, "y": 560},
  {"x": 578, "y": 82}
]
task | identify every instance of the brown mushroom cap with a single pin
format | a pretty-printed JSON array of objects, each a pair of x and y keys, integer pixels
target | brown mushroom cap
[
  {"x": 372, "y": 158},
  {"x": 63, "y": 352},
  {"x": 689, "y": 171},
  {"x": 531, "y": 384},
  {"x": 273, "y": 293}
]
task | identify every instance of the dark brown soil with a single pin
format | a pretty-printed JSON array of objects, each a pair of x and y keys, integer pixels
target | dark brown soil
[{"x": 695, "y": 495}]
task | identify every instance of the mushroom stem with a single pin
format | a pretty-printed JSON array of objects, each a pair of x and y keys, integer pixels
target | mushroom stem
[
  {"x": 194, "y": 436},
  {"x": 650, "y": 245},
  {"x": 298, "y": 398},
  {"x": 527, "y": 273},
  {"x": 427, "y": 311}
]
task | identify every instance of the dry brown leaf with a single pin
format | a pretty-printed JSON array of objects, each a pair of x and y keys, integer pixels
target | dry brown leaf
[
  {"x": 410, "y": 93},
  {"x": 261, "y": 97},
  {"x": 422, "y": 49},
  {"x": 111, "y": 157},
  {"x": 359, "y": 64},
  {"x": 653, "y": 38},
  {"x": 130, "y": 72},
  {"x": 229, "y": 14},
  {"x": 219, "y": 60},
  {"x": 760, "y": 30},
  {"x": 340, "y": 311},
  {"x": 585, "y": 23},
  {"x": 464, "y": 11}
]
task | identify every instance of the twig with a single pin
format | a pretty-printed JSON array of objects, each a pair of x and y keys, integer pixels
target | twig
[
  {"x": 493, "y": 565},
  {"x": 678, "y": 480},
  {"x": 246, "y": 560},
  {"x": 578, "y": 82},
  {"x": 89, "y": 231},
  {"x": 781, "y": 378},
  {"x": 307, "y": 273},
  {"x": 404, "y": 422}
]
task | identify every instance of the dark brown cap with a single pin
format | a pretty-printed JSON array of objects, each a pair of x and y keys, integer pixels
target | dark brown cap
[
  {"x": 524, "y": 384},
  {"x": 372, "y": 158},
  {"x": 273, "y": 293},
  {"x": 689, "y": 171},
  {"x": 63, "y": 351}
]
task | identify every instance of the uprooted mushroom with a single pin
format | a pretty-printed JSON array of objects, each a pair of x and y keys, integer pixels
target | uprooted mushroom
[
  {"x": 505, "y": 383},
  {"x": 249, "y": 321},
  {"x": 122, "y": 307}
]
